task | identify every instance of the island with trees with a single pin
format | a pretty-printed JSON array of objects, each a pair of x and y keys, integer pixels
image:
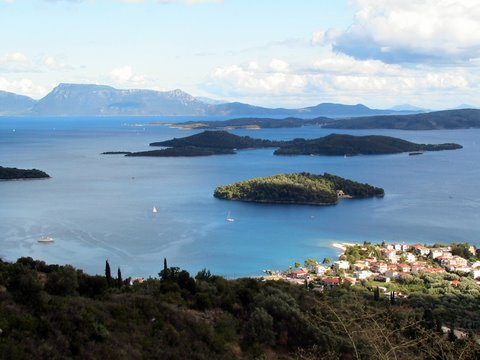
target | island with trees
[
  {"x": 435, "y": 120},
  {"x": 222, "y": 142},
  {"x": 343, "y": 144},
  {"x": 8, "y": 173},
  {"x": 297, "y": 188}
]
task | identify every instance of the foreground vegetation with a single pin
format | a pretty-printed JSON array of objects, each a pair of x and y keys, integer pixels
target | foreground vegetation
[
  {"x": 7, "y": 173},
  {"x": 51, "y": 311},
  {"x": 300, "y": 188}
]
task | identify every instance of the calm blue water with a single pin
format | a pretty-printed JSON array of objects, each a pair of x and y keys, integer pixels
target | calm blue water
[{"x": 99, "y": 207}]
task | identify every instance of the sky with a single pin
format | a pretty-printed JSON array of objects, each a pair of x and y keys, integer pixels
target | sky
[{"x": 276, "y": 53}]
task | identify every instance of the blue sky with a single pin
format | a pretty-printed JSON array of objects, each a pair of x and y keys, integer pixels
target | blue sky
[{"x": 287, "y": 53}]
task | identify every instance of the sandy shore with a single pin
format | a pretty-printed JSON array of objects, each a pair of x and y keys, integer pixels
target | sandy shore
[{"x": 343, "y": 246}]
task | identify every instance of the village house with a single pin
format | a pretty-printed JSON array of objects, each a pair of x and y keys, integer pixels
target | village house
[
  {"x": 420, "y": 250},
  {"x": 475, "y": 273},
  {"x": 435, "y": 253},
  {"x": 475, "y": 264},
  {"x": 462, "y": 269},
  {"x": 391, "y": 274},
  {"x": 391, "y": 255},
  {"x": 330, "y": 282},
  {"x": 362, "y": 274},
  {"x": 299, "y": 273},
  {"x": 321, "y": 269},
  {"x": 360, "y": 265},
  {"x": 341, "y": 264},
  {"x": 410, "y": 258},
  {"x": 379, "y": 267},
  {"x": 404, "y": 267},
  {"x": 418, "y": 266},
  {"x": 453, "y": 261}
]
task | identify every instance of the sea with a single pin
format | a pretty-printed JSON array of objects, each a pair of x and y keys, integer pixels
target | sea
[{"x": 98, "y": 207}]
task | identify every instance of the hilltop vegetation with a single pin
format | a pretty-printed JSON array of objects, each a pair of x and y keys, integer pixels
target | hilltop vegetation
[
  {"x": 7, "y": 173},
  {"x": 58, "y": 312},
  {"x": 223, "y": 142},
  {"x": 302, "y": 188}
]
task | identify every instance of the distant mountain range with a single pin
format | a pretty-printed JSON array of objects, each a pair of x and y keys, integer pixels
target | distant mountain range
[{"x": 102, "y": 100}]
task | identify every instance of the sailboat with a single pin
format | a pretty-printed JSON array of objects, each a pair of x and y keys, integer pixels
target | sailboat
[
  {"x": 154, "y": 210},
  {"x": 46, "y": 240},
  {"x": 229, "y": 218}
]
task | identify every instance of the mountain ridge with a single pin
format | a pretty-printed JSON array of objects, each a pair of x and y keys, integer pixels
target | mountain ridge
[{"x": 68, "y": 99}]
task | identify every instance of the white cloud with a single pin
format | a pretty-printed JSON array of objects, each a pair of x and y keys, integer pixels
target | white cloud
[
  {"x": 443, "y": 31},
  {"x": 54, "y": 64},
  {"x": 125, "y": 76},
  {"x": 278, "y": 65},
  {"x": 22, "y": 87},
  {"x": 16, "y": 57},
  {"x": 338, "y": 77}
]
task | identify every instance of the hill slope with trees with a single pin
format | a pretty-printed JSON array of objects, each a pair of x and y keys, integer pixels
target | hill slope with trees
[{"x": 59, "y": 312}]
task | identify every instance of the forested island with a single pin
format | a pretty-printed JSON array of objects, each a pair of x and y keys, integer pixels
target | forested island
[
  {"x": 435, "y": 120},
  {"x": 342, "y": 144},
  {"x": 251, "y": 123},
  {"x": 7, "y": 173},
  {"x": 60, "y": 312},
  {"x": 222, "y": 142},
  {"x": 299, "y": 188}
]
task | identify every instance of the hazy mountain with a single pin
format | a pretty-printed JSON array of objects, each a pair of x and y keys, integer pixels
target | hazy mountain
[
  {"x": 408, "y": 107},
  {"x": 13, "y": 104},
  {"x": 95, "y": 100},
  {"x": 87, "y": 99},
  {"x": 464, "y": 106},
  {"x": 210, "y": 101}
]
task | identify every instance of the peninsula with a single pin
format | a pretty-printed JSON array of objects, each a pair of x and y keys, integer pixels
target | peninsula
[
  {"x": 435, "y": 120},
  {"x": 222, "y": 142},
  {"x": 7, "y": 173},
  {"x": 297, "y": 188}
]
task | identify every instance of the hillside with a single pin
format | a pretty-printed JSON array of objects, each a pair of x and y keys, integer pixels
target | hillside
[
  {"x": 13, "y": 104},
  {"x": 302, "y": 188},
  {"x": 438, "y": 120},
  {"x": 59, "y": 312},
  {"x": 20, "y": 174}
]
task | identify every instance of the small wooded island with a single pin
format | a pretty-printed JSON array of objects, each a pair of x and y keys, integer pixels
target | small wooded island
[
  {"x": 222, "y": 142},
  {"x": 7, "y": 173},
  {"x": 297, "y": 188}
]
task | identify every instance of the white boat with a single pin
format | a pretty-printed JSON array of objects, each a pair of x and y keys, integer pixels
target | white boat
[
  {"x": 154, "y": 210},
  {"x": 229, "y": 218},
  {"x": 46, "y": 240}
]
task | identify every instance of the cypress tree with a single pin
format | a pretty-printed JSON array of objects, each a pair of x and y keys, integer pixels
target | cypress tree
[
  {"x": 119, "y": 278},
  {"x": 108, "y": 273}
]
